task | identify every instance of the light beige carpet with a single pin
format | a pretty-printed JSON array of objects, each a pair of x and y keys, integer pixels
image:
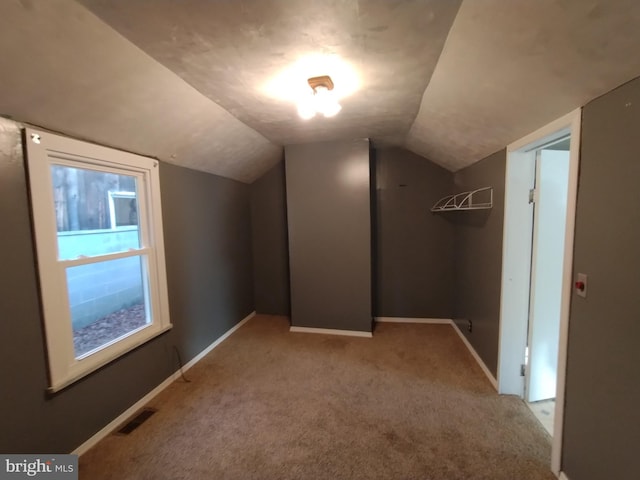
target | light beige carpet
[{"x": 411, "y": 403}]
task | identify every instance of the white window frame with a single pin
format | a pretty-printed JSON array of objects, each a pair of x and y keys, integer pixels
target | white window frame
[{"x": 44, "y": 150}]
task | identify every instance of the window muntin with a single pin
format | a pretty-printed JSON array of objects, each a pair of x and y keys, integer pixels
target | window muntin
[{"x": 98, "y": 228}]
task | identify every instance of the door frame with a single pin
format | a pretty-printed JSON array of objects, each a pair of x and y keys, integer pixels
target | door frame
[{"x": 514, "y": 300}]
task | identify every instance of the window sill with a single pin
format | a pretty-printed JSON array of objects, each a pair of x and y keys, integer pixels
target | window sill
[{"x": 64, "y": 383}]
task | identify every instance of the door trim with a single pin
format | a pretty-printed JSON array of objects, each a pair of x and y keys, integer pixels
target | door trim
[{"x": 511, "y": 333}]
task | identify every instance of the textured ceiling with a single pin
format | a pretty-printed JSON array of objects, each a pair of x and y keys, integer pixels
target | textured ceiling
[
  {"x": 195, "y": 82},
  {"x": 231, "y": 50},
  {"x": 511, "y": 67},
  {"x": 64, "y": 69}
]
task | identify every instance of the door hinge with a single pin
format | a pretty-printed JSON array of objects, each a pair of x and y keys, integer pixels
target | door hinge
[
  {"x": 522, "y": 370},
  {"x": 532, "y": 195}
]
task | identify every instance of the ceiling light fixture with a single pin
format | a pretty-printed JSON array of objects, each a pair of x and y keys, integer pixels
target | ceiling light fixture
[{"x": 320, "y": 100}]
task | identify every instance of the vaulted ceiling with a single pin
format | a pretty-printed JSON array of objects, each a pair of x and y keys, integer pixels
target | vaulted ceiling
[{"x": 210, "y": 84}]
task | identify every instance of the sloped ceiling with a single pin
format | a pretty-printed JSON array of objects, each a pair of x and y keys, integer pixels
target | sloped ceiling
[
  {"x": 511, "y": 67},
  {"x": 64, "y": 69},
  {"x": 231, "y": 50},
  {"x": 195, "y": 82}
]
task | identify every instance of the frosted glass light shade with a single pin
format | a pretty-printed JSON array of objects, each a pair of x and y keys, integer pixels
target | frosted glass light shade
[
  {"x": 306, "y": 108},
  {"x": 321, "y": 101},
  {"x": 331, "y": 109}
]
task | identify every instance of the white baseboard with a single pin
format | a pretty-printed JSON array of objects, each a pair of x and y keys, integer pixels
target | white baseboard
[
  {"x": 563, "y": 476},
  {"x": 221, "y": 339},
  {"x": 116, "y": 422},
  {"x": 483, "y": 366},
  {"x": 435, "y": 321},
  {"x": 330, "y": 331}
]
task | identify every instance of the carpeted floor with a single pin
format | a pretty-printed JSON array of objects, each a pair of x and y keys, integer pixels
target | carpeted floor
[{"x": 411, "y": 403}]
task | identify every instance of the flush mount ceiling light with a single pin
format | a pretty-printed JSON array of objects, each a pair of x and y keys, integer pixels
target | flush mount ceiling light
[{"x": 321, "y": 99}]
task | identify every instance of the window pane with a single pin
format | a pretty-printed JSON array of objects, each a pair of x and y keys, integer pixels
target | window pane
[
  {"x": 125, "y": 211},
  {"x": 107, "y": 301},
  {"x": 96, "y": 212}
]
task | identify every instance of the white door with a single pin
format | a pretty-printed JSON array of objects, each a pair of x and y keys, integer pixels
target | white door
[{"x": 549, "y": 227}]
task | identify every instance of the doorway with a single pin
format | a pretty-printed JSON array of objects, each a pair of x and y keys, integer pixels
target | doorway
[
  {"x": 549, "y": 201},
  {"x": 540, "y": 196}
]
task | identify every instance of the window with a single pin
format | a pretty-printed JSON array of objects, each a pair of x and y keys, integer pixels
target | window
[
  {"x": 123, "y": 209},
  {"x": 98, "y": 231}
]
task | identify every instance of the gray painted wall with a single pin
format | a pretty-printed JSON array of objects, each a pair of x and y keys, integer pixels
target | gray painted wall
[
  {"x": 329, "y": 222},
  {"x": 270, "y": 248},
  {"x": 478, "y": 258},
  {"x": 208, "y": 250},
  {"x": 414, "y": 248},
  {"x": 602, "y": 418},
  {"x": 207, "y": 230}
]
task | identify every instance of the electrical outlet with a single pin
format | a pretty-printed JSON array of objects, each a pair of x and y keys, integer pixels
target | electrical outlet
[{"x": 470, "y": 326}]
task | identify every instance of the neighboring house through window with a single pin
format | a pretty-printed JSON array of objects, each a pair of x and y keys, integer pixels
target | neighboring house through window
[{"x": 123, "y": 209}]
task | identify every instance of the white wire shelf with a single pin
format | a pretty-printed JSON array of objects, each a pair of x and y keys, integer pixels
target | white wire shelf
[{"x": 480, "y": 199}]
